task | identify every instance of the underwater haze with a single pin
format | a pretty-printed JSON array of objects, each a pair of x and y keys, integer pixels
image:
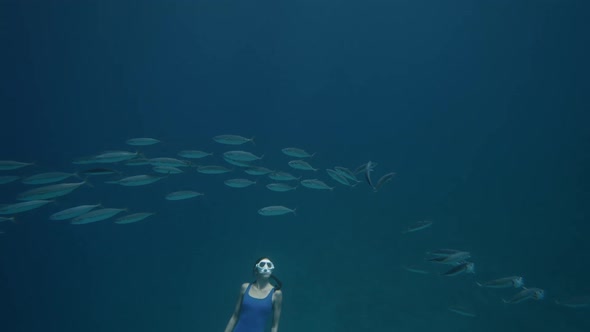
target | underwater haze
[{"x": 479, "y": 108}]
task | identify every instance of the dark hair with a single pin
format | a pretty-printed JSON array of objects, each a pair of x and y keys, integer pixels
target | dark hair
[{"x": 279, "y": 284}]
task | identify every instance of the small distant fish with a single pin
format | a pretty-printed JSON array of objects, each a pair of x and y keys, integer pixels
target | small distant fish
[
  {"x": 212, "y": 169},
  {"x": 49, "y": 177},
  {"x": 183, "y": 194},
  {"x": 194, "y": 154},
  {"x": 297, "y": 153},
  {"x": 280, "y": 187},
  {"x": 363, "y": 168},
  {"x": 239, "y": 183},
  {"x": 237, "y": 162},
  {"x": 241, "y": 155},
  {"x": 96, "y": 215},
  {"x": 4, "y": 179},
  {"x": 418, "y": 226},
  {"x": 257, "y": 170},
  {"x": 169, "y": 162},
  {"x": 232, "y": 139},
  {"x": 3, "y": 219},
  {"x": 73, "y": 212},
  {"x": 414, "y": 269},
  {"x": 346, "y": 173},
  {"x": 452, "y": 258},
  {"x": 282, "y": 176},
  {"x": 316, "y": 184},
  {"x": 114, "y": 156},
  {"x": 526, "y": 294},
  {"x": 99, "y": 171},
  {"x": 275, "y": 210},
  {"x": 338, "y": 177},
  {"x": 142, "y": 141},
  {"x": 137, "y": 180},
  {"x": 7, "y": 165},
  {"x": 383, "y": 180},
  {"x": 368, "y": 169},
  {"x": 167, "y": 170},
  {"x": 49, "y": 191},
  {"x": 580, "y": 301},
  {"x": 443, "y": 252},
  {"x": 301, "y": 165},
  {"x": 462, "y": 311},
  {"x": 22, "y": 206},
  {"x": 466, "y": 267},
  {"x": 137, "y": 162},
  {"x": 507, "y": 282},
  {"x": 132, "y": 218}
]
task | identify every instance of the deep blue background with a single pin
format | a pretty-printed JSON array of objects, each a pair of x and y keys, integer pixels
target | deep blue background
[{"x": 481, "y": 108}]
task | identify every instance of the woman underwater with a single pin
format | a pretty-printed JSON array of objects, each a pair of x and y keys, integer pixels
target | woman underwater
[{"x": 257, "y": 301}]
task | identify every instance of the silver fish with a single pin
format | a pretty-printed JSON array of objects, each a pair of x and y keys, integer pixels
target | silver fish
[
  {"x": 418, "y": 226},
  {"x": 73, "y": 212},
  {"x": 580, "y": 301},
  {"x": 507, "y": 282},
  {"x": 137, "y": 162},
  {"x": 346, "y": 173},
  {"x": 212, "y": 169},
  {"x": 142, "y": 141},
  {"x": 280, "y": 187},
  {"x": 452, "y": 258},
  {"x": 443, "y": 252},
  {"x": 297, "y": 153},
  {"x": 282, "y": 176},
  {"x": 49, "y": 191},
  {"x": 49, "y": 177},
  {"x": 275, "y": 210},
  {"x": 414, "y": 269},
  {"x": 183, "y": 194},
  {"x": 232, "y": 139},
  {"x": 137, "y": 180},
  {"x": 465, "y": 267},
  {"x": 241, "y": 155},
  {"x": 363, "y": 168},
  {"x": 96, "y": 215},
  {"x": 239, "y": 183},
  {"x": 3, "y": 219},
  {"x": 316, "y": 184},
  {"x": 4, "y": 179},
  {"x": 169, "y": 162},
  {"x": 384, "y": 179},
  {"x": 461, "y": 311},
  {"x": 257, "y": 170},
  {"x": 22, "y": 206},
  {"x": 338, "y": 177},
  {"x": 7, "y": 165},
  {"x": 99, "y": 171},
  {"x": 114, "y": 156},
  {"x": 368, "y": 169},
  {"x": 194, "y": 154},
  {"x": 237, "y": 162},
  {"x": 526, "y": 294},
  {"x": 301, "y": 165},
  {"x": 132, "y": 218},
  {"x": 167, "y": 170}
]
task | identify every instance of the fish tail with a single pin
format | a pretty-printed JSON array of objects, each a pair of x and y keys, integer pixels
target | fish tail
[{"x": 252, "y": 140}]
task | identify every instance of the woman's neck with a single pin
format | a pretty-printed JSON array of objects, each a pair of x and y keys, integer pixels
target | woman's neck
[{"x": 261, "y": 282}]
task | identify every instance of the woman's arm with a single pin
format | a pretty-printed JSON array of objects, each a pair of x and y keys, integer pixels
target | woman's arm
[
  {"x": 236, "y": 314},
  {"x": 276, "y": 306}
]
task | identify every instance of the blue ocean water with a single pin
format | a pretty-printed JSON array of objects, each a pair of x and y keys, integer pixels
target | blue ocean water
[{"x": 480, "y": 108}]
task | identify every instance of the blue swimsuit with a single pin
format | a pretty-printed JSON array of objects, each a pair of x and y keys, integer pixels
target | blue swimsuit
[{"x": 254, "y": 312}]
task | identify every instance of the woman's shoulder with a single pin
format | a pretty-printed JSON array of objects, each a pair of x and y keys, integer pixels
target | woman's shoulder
[{"x": 244, "y": 287}]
